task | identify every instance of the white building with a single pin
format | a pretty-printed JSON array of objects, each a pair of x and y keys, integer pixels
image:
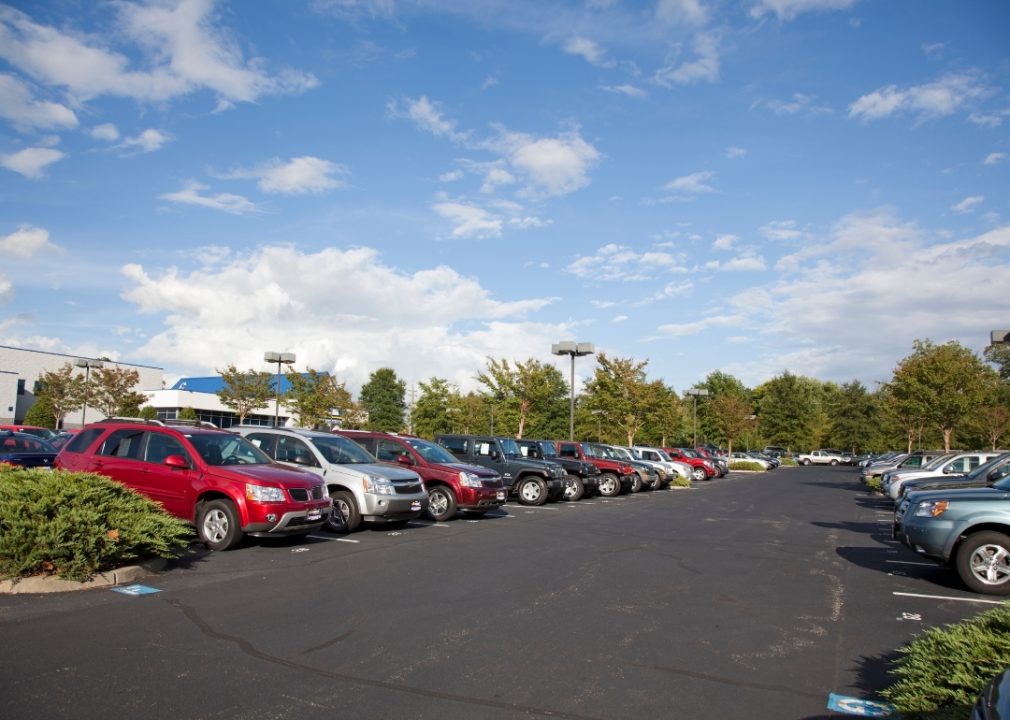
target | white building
[
  {"x": 20, "y": 369},
  {"x": 200, "y": 393}
]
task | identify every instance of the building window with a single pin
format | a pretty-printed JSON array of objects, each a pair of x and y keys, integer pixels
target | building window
[
  {"x": 223, "y": 420},
  {"x": 21, "y": 387}
]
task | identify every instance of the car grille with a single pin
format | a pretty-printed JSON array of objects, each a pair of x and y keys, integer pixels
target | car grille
[
  {"x": 300, "y": 520},
  {"x": 317, "y": 492},
  {"x": 408, "y": 488},
  {"x": 299, "y": 494},
  {"x": 495, "y": 483}
]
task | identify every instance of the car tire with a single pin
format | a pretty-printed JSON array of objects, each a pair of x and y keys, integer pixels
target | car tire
[
  {"x": 699, "y": 473},
  {"x": 610, "y": 485},
  {"x": 983, "y": 562},
  {"x": 345, "y": 507},
  {"x": 532, "y": 491},
  {"x": 806, "y": 462},
  {"x": 441, "y": 503},
  {"x": 218, "y": 525},
  {"x": 637, "y": 484},
  {"x": 574, "y": 489},
  {"x": 834, "y": 462}
]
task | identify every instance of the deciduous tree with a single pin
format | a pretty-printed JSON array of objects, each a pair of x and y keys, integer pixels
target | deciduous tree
[
  {"x": 732, "y": 417},
  {"x": 112, "y": 391},
  {"x": 384, "y": 398},
  {"x": 63, "y": 392},
  {"x": 246, "y": 391},
  {"x": 528, "y": 388},
  {"x": 315, "y": 396},
  {"x": 619, "y": 387},
  {"x": 855, "y": 417},
  {"x": 429, "y": 416}
]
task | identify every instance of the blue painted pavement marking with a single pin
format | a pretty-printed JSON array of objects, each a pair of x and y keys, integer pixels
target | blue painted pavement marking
[
  {"x": 858, "y": 706},
  {"x": 135, "y": 590}
]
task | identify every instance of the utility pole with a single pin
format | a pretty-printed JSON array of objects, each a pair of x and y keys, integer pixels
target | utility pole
[
  {"x": 696, "y": 393},
  {"x": 568, "y": 347},
  {"x": 410, "y": 419}
]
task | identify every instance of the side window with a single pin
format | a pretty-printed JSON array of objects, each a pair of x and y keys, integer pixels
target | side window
[
  {"x": 160, "y": 446},
  {"x": 483, "y": 448},
  {"x": 264, "y": 441},
  {"x": 389, "y": 450},
  {"x": 569, "y": 451},
  {"x": 82, "y": 441},
  {"x": 649, "y": 455},
  {"x": 293, "y": 450},
  {"x": 123, "y": 444},
  {"x": 1002, "y": 471},
  {"x": 526, "y": 450},
  {"x": 457, "y": 446},
  {"x": 367, "y": 444},
  {"x": 973, "y": 462}
]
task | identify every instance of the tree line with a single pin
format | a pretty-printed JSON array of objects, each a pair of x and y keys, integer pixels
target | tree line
[{"x": 59, "y": 393}]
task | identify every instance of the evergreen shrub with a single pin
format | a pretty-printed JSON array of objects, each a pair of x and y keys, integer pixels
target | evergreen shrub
[{"x": 746, "y": 466}]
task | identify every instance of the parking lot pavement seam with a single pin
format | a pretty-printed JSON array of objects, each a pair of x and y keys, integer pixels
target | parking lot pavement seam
[{"x": 249, "y": 649}]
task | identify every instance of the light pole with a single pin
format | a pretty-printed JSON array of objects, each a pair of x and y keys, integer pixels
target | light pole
[
  {"x": 280, "y": 359},
  {"x": 599, "y": 432},
  {"x": 452, "y": 411},
  {"x": 696, "y": 393},
  {"x": 569, "y": 347},
  {"x": 1000, "y": 337},
  {"x": 87, "y": 365},
  {"x": 752, "y": 418},
  {"x": 492, "y": 419}
]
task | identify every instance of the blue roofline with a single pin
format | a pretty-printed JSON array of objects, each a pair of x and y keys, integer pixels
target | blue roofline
[{"x": 214, "y": 383}]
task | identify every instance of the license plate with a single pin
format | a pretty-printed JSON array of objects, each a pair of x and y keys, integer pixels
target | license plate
[
  {"x": 313, "y": 515},
  {"x": 416, "y": 505},
  {"x": 501, "y": 494},
  {"x": 43, "y": 467}
]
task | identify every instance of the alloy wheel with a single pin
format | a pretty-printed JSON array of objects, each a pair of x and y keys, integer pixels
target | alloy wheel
[
  {"x": 215, "y": 526},
  {"x": 990, "y": 564}
]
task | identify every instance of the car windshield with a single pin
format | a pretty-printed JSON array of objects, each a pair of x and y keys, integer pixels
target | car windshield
[
  {"x": 44, "y": 433},
  {"x": 509, "y": 447},
  {"x": 22, "y": 445},
  {"x": 547, "y": 449},
  {"x": 606, "y": 452},
  {"x": 936, "y": 462},
  {"x": 983, "y": 470},
  {"x": 431, "y": 452},
  {"x": 338, "y": 450},
  {"x": 227, "y": 449},
  {"x": 624, "y": 453}
]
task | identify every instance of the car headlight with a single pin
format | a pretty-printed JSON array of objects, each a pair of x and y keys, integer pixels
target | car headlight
[
  {"x": 931, "y": 509},
  {"x": 469, "y": 480},
  {"x": 376, "y": 485},
  {"x": 262, "y": 493},
  {"x": 708, "y": 463}
]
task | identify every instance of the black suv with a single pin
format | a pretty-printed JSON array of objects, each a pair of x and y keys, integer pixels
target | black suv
[
  {"x": 582, "y": 478},
  {"x": 533, "y": 482}
]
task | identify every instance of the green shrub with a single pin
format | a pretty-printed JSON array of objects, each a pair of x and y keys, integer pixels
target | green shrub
[
  {"x": 77, "y": 524},
  {"x": 188, "y": 413},
  {"x": 40, "y": 414},
  {"x": 873, "y": 483},
  {"x": 741, "y": 465},
  {"x": 941, "y": 673},
  {"x": 149, "y": 413},
  {"x": 788, "y": 462},
  {"x": 679, "y": 481}
]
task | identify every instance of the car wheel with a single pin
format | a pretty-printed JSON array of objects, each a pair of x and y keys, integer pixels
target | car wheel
[
  {"x": 637, "y": 484},
  {"x": 218, "y": 525},
  {"x": 834, "y": 462},
  {"x": 441, "y": 503},
  {"x": 806, "y": 462},
  {"x": 983, "y": 562},
  {"x": 610, "y": 485},
  {"x": 574, "y": 489},
  {"x": 532, "y": 491},
  {"x": 699, "y": 474},
  {"x": 346, "y": 508}
]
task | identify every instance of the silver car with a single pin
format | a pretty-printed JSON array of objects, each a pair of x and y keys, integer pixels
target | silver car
[{"x": 361, "y": 487}]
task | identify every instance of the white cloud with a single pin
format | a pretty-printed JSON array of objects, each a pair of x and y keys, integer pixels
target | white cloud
[
  {"x": 298, "y": 176},
  {"x": 685, "y": 188},
  {"x": 988, "y": 121},
  {"x": 620, "y": 318},
  {"x": 7, "y": 293},
  {"x": 226, "y": 202},
  {"x": 789, "y": 9},
  {"x": 450, "y": 176},
  {"x": 592, "y": 52},
  {"x": 800, "y": 103},
  {"x": 429, "y": 116},
  {"x": 489, "y": 81},
  {"x": 496, "y": 176},
  {"x": 673, "y": 289},
  {"x": 107, "y": 132},
  {"x": 148, "y": 141},
  {"x": 744, "y": 263},
  {"x": 18, "y": 104},
  {"x": 283, "y": 297},
  {"x": 528, "y": 222},
  {"x": 994, "y": 158},
  {"x": 31, "y": 162},
  {"x": 968, "y": 204},
  {"x": 182, "y": 49},
  {"x": 682, "y": 12},
  {"x": 724, "y": 242},
  {"x": 734, "y": 152},
  {"x": 27, "y": 242},
  {"x": 629, "y": 90},
  {"x": 602, "y": 304},
  {"x": 619, "y": 262},
  {"x": 705, "y": 68},
  {"x": 781, "y": 230},
  {"x": 933, "y": 48},
  {"x": 693, "y": 328},
  {"x": 933, "y": 100},
  {"x": 470, "y": 221}
]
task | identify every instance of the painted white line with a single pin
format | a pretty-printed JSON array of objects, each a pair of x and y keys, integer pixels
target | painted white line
[
  {"x": 347, "y": 540},
  {"x": 585, "y": 503},
  {"x": 945, "y": 597},
  {"x": 904, "y": 562}
]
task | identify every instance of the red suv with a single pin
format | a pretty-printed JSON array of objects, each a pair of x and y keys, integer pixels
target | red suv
[
  {"x": 206, "y": 476},
  {"x": 701, "y": 468},
  {"x": 450, "y": 483},
  {"x": 616, "y": 476}
]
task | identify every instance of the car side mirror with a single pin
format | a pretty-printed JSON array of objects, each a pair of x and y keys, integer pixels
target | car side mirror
[
  {"x": 404, "y": 460},
  {"x": 494, "y": 454},
  {"x": 993, "y": 476},
  {"x": 177, "y": 461}
]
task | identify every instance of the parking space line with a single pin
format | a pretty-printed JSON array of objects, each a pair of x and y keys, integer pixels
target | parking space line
[
  {"x": 347, "y": 540},
  {"x": 320, "y": 537},
  {"x": 947, "y": 597}
]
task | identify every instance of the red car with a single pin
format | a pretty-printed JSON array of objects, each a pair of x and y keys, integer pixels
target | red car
[
  {"x": 616, "y": 477},
  {"x": 44, "y": 433},
  {"x": 701, "y": 468},
  {"x": 450, "y": 483},
  {"x": 219, "y": 481}
]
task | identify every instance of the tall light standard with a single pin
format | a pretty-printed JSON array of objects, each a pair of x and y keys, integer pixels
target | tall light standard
[
  {"x": 453, "y": 411},
  {"x": 599, "y": 431},
  {"x": 999, "y": 337},
  {"x": 696, "y": 393},
  {"x": 280, "y": 359},
  {"x": 569, "y": 347},
  {"x": 87, "y": 365}
]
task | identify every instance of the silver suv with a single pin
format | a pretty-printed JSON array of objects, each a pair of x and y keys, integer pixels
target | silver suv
[{"x": 361, "y": 488}]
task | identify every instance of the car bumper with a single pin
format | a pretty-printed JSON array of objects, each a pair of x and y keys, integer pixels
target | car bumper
[
  {"x": 628, "y": 481},
  {"x": 288, "y": 521},
  {"x": 928, "y": 538},
  {"x": 394, "y": 507},
  {"x": 482, "y": 499}
]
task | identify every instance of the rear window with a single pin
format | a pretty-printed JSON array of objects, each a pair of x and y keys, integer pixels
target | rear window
[
  {"x": 83, "y": 440},
  {"x": 23, "y": 445},
  {"x": 457, "y": 446}
]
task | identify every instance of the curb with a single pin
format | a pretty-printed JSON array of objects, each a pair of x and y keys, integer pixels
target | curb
[{"x": 53, "y": 584}]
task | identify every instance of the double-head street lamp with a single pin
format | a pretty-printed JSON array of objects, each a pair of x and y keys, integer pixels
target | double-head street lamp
[
  {"x": 87, "y": 365},
  {"x": 599, "y": 431},
  {"x": 280, "y": 359},
  {"x": 569, "y": 347},
  {"x": 696, "y": 393},
  {"x": 1000, "y": 337}
]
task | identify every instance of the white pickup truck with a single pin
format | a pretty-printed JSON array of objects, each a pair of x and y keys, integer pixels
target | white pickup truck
[{"x": 819, "y": 457}]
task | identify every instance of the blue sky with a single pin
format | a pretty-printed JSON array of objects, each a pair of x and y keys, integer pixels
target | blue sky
[{"x": 747, "y": 186}]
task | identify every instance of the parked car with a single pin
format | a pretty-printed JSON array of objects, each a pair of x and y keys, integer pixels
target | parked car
[
  {"x": 994, "y": 701},
  {"x": 62, "y": 438},
  {"x": 659, "y": 457},
  {"x": 617, "y": 476},
  {"x": 739, "y": 457},
  {"x": 644, "y": 475},
  {"x": 982, "y": 476},
  {"x": 361, "y": 488},
  {"x": 44, "y": 433},
  {"x": 701, "y": 468},
  {"x": 210, "y": 477},
  {"x": 908, "y": 461},
  {"x": 25, "y": 451},
  {"x": 533, "y": 482},
  {"x": 945, "y": 466},
  {"x": 721, "y": 462},
  {"x": 775, "y": 462},
  {"x": 451, "y": 485},
  {"x": 887, "y": 475},
  {"x": 775, "y": 450},
  {"x": 582, "y": 478},
  {"x": 820, "y": 457}
]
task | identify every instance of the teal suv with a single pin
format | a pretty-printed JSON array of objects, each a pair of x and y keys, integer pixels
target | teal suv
[{"x": 967, "y": 529}]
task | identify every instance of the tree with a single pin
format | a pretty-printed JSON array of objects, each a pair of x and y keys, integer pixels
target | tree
[
  {"x": 112, "y": 391},
  {"x": 41, "y": 414},
  {"x": 732, "y": 417},
  {"x": 188, "y": 413},
  {"x": 149, "y": 412},
  {"x": 717, "y": 383},
  {"x": 619, "y": 388},
  {"x": 993, "y": 422},
  {"x": 63, "y": 392},
  {"x": 999, "y": 355},
  {"x": 246, "y": 392},
  {"x": 667, "y": 419},
  {"x": 786, "y": 409},
  {"x": 384, "y": 397},
  {"x": 429, "y": 416},
  {"x": 855, "y": 418},
  {"x": 528, "y": 389},
  {"x": 947, "y": 381},
  {"x": 315, "y": 395}
]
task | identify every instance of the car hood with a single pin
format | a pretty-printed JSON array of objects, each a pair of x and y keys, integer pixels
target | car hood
[
  {"x": 954, "y": 483},
  {"x": 390, "y": 472},
  {"x": 274, "y": 474},
  {"x": 473, "y": 469},
  {"x": 968, "y": 493}
]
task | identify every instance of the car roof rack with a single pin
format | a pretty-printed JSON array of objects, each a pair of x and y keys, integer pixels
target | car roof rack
[{"x": 161, "y": 423}]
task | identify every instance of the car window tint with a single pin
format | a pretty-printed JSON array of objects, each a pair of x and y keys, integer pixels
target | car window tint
[
  {"x": 366, "y": 443},
  {"x": 569, "y": 451},
  {"x": 973, "y": 462},
  {"x": 957, "y": 466},
  {"x": 264, "y": 441},
  {"x": 389, "y": 450},
  {"x": 292, "y": 450},
  {"x": 227, "y": 449},
  {"x": 161, "y": 445},
  {"x": 123, "y": 443},
  {"x": 32, "y": 445},
  {"x": 457, "y": 446},
  {"x": 483, "y": 448},
  {"x": 84, "y": 439}
]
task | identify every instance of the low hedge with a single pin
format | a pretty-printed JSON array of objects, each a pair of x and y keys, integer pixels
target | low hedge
[
  {"x": 746, "y": 466},
  {"x": 941, "y": 673},
  {"x": 787, "y": 462},
  {"x": 873, "y": 483},
  {"x": 76, "y": 524},
  {"x": 679, "y": 481}
]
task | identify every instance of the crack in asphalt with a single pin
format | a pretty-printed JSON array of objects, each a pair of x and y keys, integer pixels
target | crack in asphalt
[
  {"x": 334, "y": 641},
  {"x": 249, "y": 649},
  {"x": 737, "y": 683}
]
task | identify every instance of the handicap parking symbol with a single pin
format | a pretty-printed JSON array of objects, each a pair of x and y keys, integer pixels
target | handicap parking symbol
[
  {"x": 135, "y": 590},
  {"x": 858, "y": 706}
]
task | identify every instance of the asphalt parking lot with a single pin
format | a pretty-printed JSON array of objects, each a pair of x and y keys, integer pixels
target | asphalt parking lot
[{"x": 748, "y": 597}]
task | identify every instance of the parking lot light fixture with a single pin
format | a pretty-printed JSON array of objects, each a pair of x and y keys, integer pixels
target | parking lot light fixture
[
  {"x": 87, "y": 365},
  {"x": 1000, "y": 337},
  {"x": 570, "y": 347},
  {"x": 696, "y": 393},
  {"x": 280, "y": 359}
]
